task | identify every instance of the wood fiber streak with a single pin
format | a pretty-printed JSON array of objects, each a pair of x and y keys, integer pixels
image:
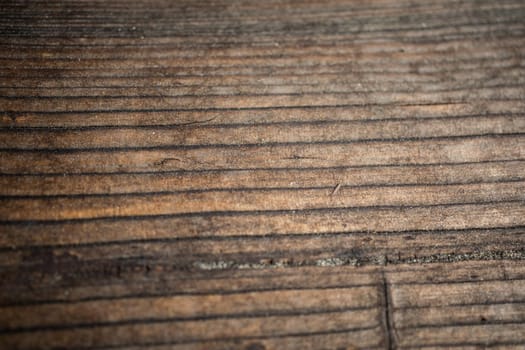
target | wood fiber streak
[{"x": 294, "y": 174}]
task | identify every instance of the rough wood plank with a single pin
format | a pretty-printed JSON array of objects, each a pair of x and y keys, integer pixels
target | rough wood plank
[{"x": 262, "y": 175}]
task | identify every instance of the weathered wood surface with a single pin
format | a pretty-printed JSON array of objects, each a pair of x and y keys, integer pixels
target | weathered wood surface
[{"x": 262, "y": 175}]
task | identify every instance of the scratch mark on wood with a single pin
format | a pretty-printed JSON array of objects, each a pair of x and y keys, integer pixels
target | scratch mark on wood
[{"x": 336, "y": 189}]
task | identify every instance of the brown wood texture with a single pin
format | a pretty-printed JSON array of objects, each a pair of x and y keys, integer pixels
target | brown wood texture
[{"x": 259, "y": 175}]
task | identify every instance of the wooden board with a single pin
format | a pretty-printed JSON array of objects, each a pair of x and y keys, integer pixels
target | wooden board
[{"x": 262, "y": 175}]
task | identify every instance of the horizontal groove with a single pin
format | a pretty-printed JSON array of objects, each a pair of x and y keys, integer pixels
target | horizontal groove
[
  {"x": 136, "y": 13},
  {"x": 462, "y": 324},
  {"x": 308, "y": 52},
  {"x": 145, "y": 321},
  {"x": 178, "y": 45},
  {"x": 162, "y": 295},
  {"x": 495, "y": 34},
  {"x": 255, "y": 189},
  {"x": 179, "y": 86},
  {"x": 314, "y": 93},
  {"x": 256, "y": 145},
  {"x": 113, "y": 33},
  {"x": 255, "y": 212},
  {"x": 503, "y": 302},
  {"x": 203, "y": 124},
  {"x": 233, "y": 109},
  {"x": 261, "y": 67},
  {"x": 263, "y": 237},
  {"x": 175, "y": 51},
  {"x": 281, "y": 259},
  {"x": 160, "y": 73},
  {"x": 138, "y": 9},
  {"x": 506, "y": 16},
  {"x": 205, "y": 171},
  {"x": 376, "y": 284}
]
